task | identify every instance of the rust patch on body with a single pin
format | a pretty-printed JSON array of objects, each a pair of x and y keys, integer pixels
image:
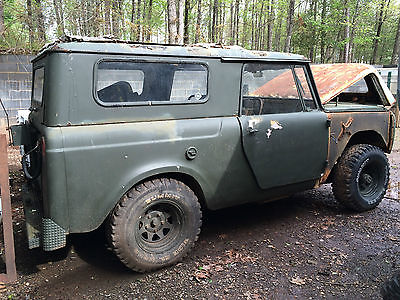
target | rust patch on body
[
  {"x": 340, "y": 135},
  {"x": 344, "y": 130}
]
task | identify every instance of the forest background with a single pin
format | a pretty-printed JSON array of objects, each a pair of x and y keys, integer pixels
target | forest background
[{"x": 322, "y": 30}]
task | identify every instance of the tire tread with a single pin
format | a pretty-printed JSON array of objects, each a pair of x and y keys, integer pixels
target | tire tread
[
  {"x": 342, "y": 178},
  {"x": 120, "y": 209}
]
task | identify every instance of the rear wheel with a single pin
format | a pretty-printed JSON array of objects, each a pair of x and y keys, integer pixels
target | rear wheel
[
  {"x": 361, "y": 177},
  {"x": 155, "y": 224}
]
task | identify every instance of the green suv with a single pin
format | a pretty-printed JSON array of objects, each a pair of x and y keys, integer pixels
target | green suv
[{"x": 143, "y": 137}]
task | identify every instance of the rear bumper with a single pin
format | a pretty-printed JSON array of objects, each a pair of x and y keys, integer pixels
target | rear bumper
[{"x": 41, "y": 231}]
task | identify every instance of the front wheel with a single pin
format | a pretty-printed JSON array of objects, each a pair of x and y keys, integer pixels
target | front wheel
[
  {"x": 361, "y": 177},
  {"x": 155, "y": 224}
]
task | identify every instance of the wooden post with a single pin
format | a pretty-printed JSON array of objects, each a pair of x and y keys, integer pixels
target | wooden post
[{"x": 11, "y": 272}]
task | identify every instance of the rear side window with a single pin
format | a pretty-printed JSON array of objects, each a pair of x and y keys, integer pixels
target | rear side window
[
  {"x": 38, "y": 82},
  {"x": 125, "y": 83}
]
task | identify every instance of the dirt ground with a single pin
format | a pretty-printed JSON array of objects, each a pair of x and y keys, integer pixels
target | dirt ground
[{"x": 305, "y": 247}]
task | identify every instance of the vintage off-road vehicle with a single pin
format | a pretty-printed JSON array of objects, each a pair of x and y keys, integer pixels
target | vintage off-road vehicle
[{"x": 142, "y": 137}]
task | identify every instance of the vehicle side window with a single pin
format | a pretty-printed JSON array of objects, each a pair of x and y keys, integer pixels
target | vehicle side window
[
  {"x": 359, "y": 87},
  {"x": 364, "y": 91},
  {"x": 38, "y": 83},
  {"x": 269, "y": 89},
  {"x": 124, "y": 82},
  {"x": 304, "y": 87}
]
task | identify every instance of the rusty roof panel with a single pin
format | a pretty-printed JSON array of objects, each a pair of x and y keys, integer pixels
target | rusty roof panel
[
  {"x": 112, "y": 46},
  {"x": 330, "y": 79},
  {"x": 333, "y": 79}
]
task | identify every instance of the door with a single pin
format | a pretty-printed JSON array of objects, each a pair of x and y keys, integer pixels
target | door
[{"x": 284, "y": 134}]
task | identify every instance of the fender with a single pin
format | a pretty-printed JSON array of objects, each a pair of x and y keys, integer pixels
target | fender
[{"x": 349, "y": 128}]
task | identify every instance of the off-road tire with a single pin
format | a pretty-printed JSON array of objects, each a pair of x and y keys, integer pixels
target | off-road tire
[
  {"x": 390, "y": 290},
  {"x": 361, "y": 177},
  {"x": 155, "y": 224}
]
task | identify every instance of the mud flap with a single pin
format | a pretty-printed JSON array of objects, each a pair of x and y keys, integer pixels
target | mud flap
[
  {"x": 40, "y": 231},
  {"x": 33, "y": 214}
]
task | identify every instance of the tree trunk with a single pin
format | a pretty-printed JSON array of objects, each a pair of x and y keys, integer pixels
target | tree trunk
[
  {"x": 221, "y": 26},
  {"x": 133, "y": 25},
  {"x": 289, "y": 25},
  {"x": 270, "y": 26},
  {"x": 120, "y": 18},
  {"x": 314, "y": 33},
  {"x": 378, "y": 31},
  {"x": 237, "y": 6},
  {"x": 180, "y": 21},
  {"x": 186, "y": 23},
  {"x": 244, "y": 28},
  {"x": 1, "y": 17},
  {"x": 261, "y": 27},
  {"x": 231, "y": 24},
  {"x": 29, "y": 21},
  {"x": 218, "y": 29},
  {"x": 396, "y": 48},
  {"x": 252, "y": 23},
  {"x": 149, "y": 25},
  {"x": 347, "y": 33},
  {"x": 40, "y": 20},
  {"x": 323, "y": 32},
  {"x": 278, "y": 35},
  {"x": 353, "y": 28},
  {"x": 144, "y": 25},
  {"x": 84, "y": 14},
  {"x": 209, "y": 31},
  {"x": 198, "y": 22},
  {"x": 172, "y": 22},
  {"x": 107, "y": 19},
  {"x": 115, "y": 19},
  {"x": 214, "y": 21}
]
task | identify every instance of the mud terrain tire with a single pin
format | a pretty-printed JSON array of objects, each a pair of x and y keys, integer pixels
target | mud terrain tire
[
  {"x": 391, "y": 288},
  {"x": 361, "y": 177},
  {"x": 155, "y": 224}
]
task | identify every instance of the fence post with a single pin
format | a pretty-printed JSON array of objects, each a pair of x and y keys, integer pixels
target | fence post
[{"x": 11, "y": 272}]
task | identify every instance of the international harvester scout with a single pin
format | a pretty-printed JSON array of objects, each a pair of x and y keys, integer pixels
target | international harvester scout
[{"x": 143, "y": 137}]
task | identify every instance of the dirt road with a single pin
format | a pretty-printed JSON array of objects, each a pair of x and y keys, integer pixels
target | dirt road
[{"x": 305, "y": 247}]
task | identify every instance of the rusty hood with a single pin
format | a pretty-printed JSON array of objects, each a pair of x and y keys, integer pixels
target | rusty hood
[{"x": 333, "y": 79}]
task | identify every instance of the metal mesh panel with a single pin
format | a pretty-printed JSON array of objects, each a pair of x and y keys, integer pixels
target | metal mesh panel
[{"x": 54, "y": 236}]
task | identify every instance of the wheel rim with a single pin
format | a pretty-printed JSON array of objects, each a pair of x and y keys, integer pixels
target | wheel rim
[
  {"x": 370, "y": 179},
  {"x": 158, "y": 226}
]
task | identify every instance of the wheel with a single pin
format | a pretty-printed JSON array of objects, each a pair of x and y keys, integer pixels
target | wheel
[
  {"x": 361, "y": 177},
  {"x": 390, "y": 290},
  {"x": 155, "y": 224}
]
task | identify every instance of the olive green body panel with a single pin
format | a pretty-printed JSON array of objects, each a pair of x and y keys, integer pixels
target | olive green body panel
[
  {"x": 54, "y": 191},
  {"x": 104, "y": 161},
  {"x": 286, "y": 148},
  {"x": 79, "y": 106}
]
